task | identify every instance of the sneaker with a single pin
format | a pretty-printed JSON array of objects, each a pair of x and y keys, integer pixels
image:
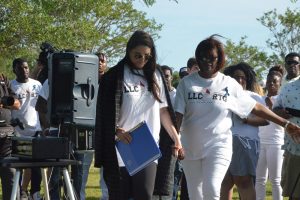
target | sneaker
[
  {"x": 24, "y": 195},
  {"x": 36, "y": 196}
]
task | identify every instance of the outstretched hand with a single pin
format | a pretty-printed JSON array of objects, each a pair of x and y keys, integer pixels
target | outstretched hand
[{"x": 294, "y": 131}]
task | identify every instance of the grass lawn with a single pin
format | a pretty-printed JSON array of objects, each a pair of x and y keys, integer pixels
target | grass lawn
[{"x": 93, "y": 192}]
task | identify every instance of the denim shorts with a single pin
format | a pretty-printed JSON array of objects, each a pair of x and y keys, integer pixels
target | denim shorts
[{"x": 244, "y": 157}]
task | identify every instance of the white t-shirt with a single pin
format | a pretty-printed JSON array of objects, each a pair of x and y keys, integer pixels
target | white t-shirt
[
  {"x": 44, "y": 93},
  {"x": 45, "y": 90},
  {"x": 207, "y": 105},
  {"x": 241, "y": 129},
  {"x": 138, "y": 104},
  {"x": 27, "y": 93},
  {"x": 172, "y": 96},
  {"x": 272, "y": 133}
]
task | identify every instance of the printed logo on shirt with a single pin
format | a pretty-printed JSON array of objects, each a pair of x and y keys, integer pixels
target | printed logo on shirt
[
  {"x": 134, "y": 88},
  {"x": 206, "y": 96},
  {"x": 28, "y": 93}
]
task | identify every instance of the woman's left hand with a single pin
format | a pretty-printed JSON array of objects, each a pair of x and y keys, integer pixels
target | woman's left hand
[{"x": 178, "y": 152}]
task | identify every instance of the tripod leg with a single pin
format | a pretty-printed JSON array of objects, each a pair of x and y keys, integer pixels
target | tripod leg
[
  {"x": 45, "y": 183},
  {"x": 15, "y": 185},
  {"x": 68, "y": 184}
]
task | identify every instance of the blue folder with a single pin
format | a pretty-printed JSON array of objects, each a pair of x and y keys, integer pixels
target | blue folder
[{"x": 141, "y": 151}]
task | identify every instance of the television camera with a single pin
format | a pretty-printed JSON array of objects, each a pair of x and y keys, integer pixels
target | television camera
[
  {"x": 7, "y": 100},
  {"x": 73, "y": 86}
]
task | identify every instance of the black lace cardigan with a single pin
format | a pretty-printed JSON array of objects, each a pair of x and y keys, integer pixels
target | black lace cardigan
[{"x": 107, "y": 113}]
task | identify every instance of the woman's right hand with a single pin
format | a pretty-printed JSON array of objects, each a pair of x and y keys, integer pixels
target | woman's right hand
[
  {"x": 123, "y": 136},
  {"x": 294, "y": 131}
]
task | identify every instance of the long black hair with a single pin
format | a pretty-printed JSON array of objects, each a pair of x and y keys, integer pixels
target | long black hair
[
  {"x": 248, "y": 71},
  {"x": 143, "y": 38}
]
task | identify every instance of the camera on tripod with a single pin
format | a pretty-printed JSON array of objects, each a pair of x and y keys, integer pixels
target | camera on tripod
[
  {"x": 7, "y": 101},
  {"x": 73, "y": 86}
]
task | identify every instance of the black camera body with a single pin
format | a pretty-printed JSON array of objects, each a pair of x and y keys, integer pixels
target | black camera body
[{"x": 7, "y": 101}]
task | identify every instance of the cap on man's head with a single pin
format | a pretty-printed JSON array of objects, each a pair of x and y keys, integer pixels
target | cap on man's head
[{"x": 183, "y": 72}]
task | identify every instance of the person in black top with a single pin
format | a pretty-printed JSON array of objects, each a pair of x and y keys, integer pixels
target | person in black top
[{"x": 6, "y": 130}]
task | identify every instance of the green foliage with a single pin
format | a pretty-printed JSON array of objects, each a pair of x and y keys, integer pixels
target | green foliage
[
  {"x": 241, "y": 52},
  {"x": 93, "y": 190},
  {"x": 85, "y": 26},
  {"x": 176, "y": 79},
  {"x": 151, "y": 2},
  {"x": 285, "y": 29}
]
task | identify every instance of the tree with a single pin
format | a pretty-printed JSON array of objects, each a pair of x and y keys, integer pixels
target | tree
[
  {"x": 241, "y": 52},
  {"x": 151, "y": 2},
  {"x": 86, "y": 26},
  {"x": 285, "y": 29}
]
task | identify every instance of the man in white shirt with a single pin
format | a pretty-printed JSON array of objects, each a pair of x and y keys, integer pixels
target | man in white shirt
[
  {"x": 292, "y": 67},
  {"x": 168, "y": 74},
  {"x": 26, "y": 90}
]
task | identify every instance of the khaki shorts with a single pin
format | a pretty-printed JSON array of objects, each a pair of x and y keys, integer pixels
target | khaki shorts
[{"x": 290, "y": 175}]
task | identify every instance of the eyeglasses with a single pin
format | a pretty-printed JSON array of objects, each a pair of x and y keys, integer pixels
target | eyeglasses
[
  {"x": 292, "y": 62},
  {"x": 208, "y": 59},
  {"x": 138, "y": 56}
]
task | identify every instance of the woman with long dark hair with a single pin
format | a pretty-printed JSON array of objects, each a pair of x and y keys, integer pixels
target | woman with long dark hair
[
  {"x": 242, "y": 168},
  {"x": 131, "y": 92}
]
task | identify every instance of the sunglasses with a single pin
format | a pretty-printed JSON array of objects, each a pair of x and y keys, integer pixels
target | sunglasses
[
  {"x": 138, "y": 56},
  {"x": 292, "y": 62},
  {"x": 208, "y": 59}
]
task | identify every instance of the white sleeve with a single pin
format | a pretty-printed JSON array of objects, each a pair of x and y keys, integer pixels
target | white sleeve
[
  {"x": 44, "y": 92},
  {"x": 242, "y": 103},
  {"x": 180, "y": 102}
]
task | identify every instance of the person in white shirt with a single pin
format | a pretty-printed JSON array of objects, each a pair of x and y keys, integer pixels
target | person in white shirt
[
  {"x": 168, "y": 74},
  {"x": 132, "y": 92},
  {"x": 244, "y": 159},
  {"x": 271, "y": 139},
  {"x": 204, "y": 104},
  {"x": 26, "y": 90},
  {"x": 292, "y": 64},
  {"x": 287, "y": 105}
]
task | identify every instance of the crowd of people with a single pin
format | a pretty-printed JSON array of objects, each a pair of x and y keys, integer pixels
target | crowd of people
[{"x": 218, "y": 128}]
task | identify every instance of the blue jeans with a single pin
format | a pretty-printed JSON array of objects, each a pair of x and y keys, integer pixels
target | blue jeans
[
  {"x": 80, "y": 173},
  {"x": 177, "y": 179},
  {"x": 54, "y": 187},
  {"x": 103, "y": 187},
  {"x": 7, "y": 180}
]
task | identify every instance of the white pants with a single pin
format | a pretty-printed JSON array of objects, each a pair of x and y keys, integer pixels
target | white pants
[
  {"x": 269, "y": 163},
  {"x": 205, "y": 176}
]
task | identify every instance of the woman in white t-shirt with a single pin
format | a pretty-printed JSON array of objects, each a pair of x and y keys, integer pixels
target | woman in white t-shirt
[
  {"x": 131, "y": 92},
  {"x": 271, "y": 139},
  {"x": 242, "y": 168},
  {"x": 204, "y": 104}
]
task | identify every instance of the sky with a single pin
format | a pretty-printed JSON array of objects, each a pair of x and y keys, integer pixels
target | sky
[{"x": 188, "y": 22}]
